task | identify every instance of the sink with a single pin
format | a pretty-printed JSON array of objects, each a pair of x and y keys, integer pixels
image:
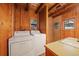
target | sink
[{"x": 71, "y": 41}]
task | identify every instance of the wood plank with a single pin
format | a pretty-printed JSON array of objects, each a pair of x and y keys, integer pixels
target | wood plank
[
  {"x": 52, "y": 6},
  {"x": 60, "y": 10},
  {"x": 6, "y": 11},
  {"x": 39, "y": 7}
]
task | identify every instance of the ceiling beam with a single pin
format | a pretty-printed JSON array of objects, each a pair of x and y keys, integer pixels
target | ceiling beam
[
  {"x": 52, "y": 6},
  {"x": 38, "y": 8},
  {"x": 60, "y": 10}
]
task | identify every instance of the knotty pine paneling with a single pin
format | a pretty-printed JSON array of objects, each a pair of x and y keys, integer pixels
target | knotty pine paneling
[
  {"x": 6, "y": 11},
  {"x": 17, "y": 20},
  {"x": 50, "y": 34},
  {"x": 63, "y": 33},
  {"x": 23, "y": 17},
  {"x": 57, "y": 32},
  {"x": 12, "y": 18},
  {"x": 70, "y": 15}
]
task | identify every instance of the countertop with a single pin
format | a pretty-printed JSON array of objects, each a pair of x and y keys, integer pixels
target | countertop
[{"x": 65, "y": 47}]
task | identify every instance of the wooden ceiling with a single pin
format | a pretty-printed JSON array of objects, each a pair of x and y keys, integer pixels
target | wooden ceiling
[
  {"x": 53, "y": 8},
  {"x": 34, "y": 6},
  {"x": 59, "y": 8},
  {"x": 50, "y": 5}
]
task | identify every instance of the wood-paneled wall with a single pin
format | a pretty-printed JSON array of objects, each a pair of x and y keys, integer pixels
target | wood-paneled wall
[
  {"x": 22, "y": 21},
  {"x": 61, "y": 33},
  {"x": 50, "y": 30},
  {"x": 33, "y": 16},
  {"x": 77, "y": 23},
  {"x": 6, "y": 15},
  {"x": 13, "y": 18},
  {"x": 23, "y": 17},
  {"x": 57, "y": 31},
  {"x": 69, "y": 15},
  {"x": 17, "y": 21}
]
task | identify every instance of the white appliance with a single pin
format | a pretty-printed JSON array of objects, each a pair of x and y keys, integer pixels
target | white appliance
[
  {"x": 24, "y": 44},
  {"x": 39, "y": 42},
  {"x": 21, "y": 33},
  {"x": 21, "y": 46}
]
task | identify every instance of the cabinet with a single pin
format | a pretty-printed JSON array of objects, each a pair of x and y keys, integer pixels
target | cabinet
[{"x": 49, "y": 52}]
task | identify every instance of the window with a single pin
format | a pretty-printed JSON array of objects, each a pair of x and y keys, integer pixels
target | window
[
  {"x": 69, "y": 24},
  {"x": 34, "y": 24}
]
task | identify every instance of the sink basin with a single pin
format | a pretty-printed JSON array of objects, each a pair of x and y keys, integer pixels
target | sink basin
[{"x": 71, "y": 41}]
